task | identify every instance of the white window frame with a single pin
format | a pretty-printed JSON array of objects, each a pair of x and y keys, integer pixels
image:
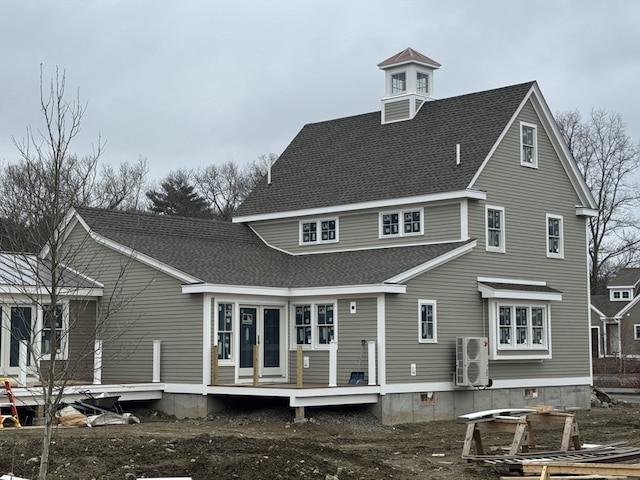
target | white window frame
[
  {"x": 492, "y": 248},
  {"x": 318, "y": 226},
  {"x": 392, "y": 85},
  {"x": 234, "y": 315},
  {"x": 636, "y": 331},
  {"x": 314, "y": 324},
  {"x": 560, "y": 252},
  {"x": 434, "y": 321},
  {"x": 513, "y": 350},
  {"x": 428, "y": 82},
  {"x": 401, "y": 223},
  {"x": 63, "y": 351},
  {"x": 534, "y": 155},
  {"x": 620, "y": 293}
]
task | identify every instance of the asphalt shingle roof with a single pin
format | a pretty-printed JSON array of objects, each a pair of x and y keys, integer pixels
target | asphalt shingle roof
[
  {"x": 27, "y": 270},
  {"x": 606, "y": 306},
  {"x": 627, "y": 277},
  {"x": 231, "y": 254},
  {"x": 357, "y": 159}
]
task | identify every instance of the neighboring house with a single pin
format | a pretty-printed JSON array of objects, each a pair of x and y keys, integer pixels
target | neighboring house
[
  {"x": 615, "y": 317},
  {"x": 25, "y": 283},
  {"x": 377, "y": 248}
]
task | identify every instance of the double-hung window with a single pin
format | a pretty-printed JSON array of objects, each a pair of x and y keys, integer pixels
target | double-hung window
[
  {"x": 401, "y": 223},
  {"x": 225, "y": 331},
  {"x": 495, "y": 229},
  {"x": 314, "y": 324},
  {"x": 318, "y": 231},
  {"x": 427, "y": 321},
  {"x": 555, "y": 241},
  {"x": 398, "y": 83},
  {"x": 52, "y": 328},
  {"x": 528, "y": 145}
]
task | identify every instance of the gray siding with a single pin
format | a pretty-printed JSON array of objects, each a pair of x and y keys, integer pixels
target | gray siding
[
  {"x": 361, "y": 230},
  {"x": 352, "y": 356},
  {"x": 397, "y": 110},
  {"x": 140, "y": 305},
  {"x": 527, "y": 195}
]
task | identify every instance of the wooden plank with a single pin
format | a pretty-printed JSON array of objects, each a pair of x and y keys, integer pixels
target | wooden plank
[
  {"x": 568, "y": 477},
  {"x": 581, "y": 468},
  {"x": 493, "y": 413}
]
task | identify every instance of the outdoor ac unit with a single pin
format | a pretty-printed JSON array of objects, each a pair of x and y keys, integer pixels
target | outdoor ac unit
[{"x": 472, "y": 362}]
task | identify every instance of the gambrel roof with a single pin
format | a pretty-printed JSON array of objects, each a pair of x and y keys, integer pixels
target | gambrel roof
[
  {"x": 224, "y": 253},
  {"x": 354, "y": 160}
]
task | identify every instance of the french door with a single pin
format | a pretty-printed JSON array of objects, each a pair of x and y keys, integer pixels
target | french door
[{"x": 262, "y": 326}]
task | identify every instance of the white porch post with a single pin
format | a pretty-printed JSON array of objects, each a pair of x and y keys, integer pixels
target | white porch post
[
  {"x": 22, "y": 362},
  {"x": 371, "y": 352},
  {"x": 333, "y": 363},
  {"x": 156, "y": 361},
  {"x": 97, "y": 362}
]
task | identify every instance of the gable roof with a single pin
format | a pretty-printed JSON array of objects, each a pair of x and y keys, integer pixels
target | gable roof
[
  {"x": 358, "y": 159},
  {"x": 224, "y": 253},
  {"x": 627, "y": 277},
  {"x": 29, "y": 274}
]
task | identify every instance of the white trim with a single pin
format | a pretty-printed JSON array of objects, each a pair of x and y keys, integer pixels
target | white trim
[
  {"x": 464, "y": 220},
  {"x": 621, "y": 291},
  {"x": 207, "y": 333},
  {"x": 628, "y": 307},
  {"x": 489, "y": 292},
  {"x": 433, "y": 304},
  {"x": 503, "y": 235},
  {"x": 318, "y": 222},
  {"x": 293, "y": 292},
  {"x": 431, "y": 264},
  {"x": 534, "y": 159},
  {"x": 401, "y": 213},
  {"x": 586, "y": 212},
  {"x": 42, "y": 291},
  {"x": 560, "y": 253},
  {"x": 512, "y": 281},
  {"x": 313, "y": 319},
  {"x": 601, "y": 315},
  {"x": 559, "y": 145},
  {"x": 469, "y": 193},
  {"x": 378, "y": 246},
  {"x": 382, "y": 340}
]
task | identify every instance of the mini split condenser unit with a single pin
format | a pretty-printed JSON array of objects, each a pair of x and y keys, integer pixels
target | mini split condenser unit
[{"x": 472, "y": 362}]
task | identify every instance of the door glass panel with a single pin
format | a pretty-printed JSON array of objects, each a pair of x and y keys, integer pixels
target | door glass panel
[
  {"x": 247, "y": 336},
  {"x": 271, "y": 337},
  {"x": 20, "y": 330}
]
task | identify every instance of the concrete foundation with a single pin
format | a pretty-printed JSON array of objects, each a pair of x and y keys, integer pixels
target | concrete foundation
[
  {"x": 396, "y": 408},
  {"x": 184, "y": 405}
]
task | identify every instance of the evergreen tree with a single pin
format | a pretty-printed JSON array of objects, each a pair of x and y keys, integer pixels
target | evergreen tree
[{"x": 177, "y": 197}]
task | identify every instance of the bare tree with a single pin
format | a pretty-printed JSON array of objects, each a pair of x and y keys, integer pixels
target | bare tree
[
  {"x": 226, "y": 186},
  {"x": 37, "y": 193},
  {"x": 122, "y": 188},
  {"x": 607, "y": 159}
]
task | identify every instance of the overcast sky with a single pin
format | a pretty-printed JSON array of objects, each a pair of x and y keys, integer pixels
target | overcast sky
[{"x": 192, "y": 83}]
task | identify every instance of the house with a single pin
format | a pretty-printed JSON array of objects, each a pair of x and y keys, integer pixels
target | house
[
  {"x": 428, "y": 259},
  {"x": 615, "y": 317},
  {"x": 25, "y": 315}
]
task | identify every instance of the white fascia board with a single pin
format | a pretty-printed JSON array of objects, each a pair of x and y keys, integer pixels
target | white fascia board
[
  {"x": 586, "y": 212},
  {"x": 145, "y": 259},
  {"x": 461, "y": 194},
  {"x": 514, "y": 281},
  {"x": 43, "y": 292},
  {"x": 598, "y": 312},
  {"x": 293, "y": 292},
  {"x": 488, "y": 292},
  {"x": 570, "y": 166},
  {"x": 628, "y": 307},
  {"x": 431, "y": 264},
  {"x": 66, "y": 227}
]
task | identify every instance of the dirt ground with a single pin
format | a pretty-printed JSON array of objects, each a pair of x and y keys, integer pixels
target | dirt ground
[{"x": 265, "y": 443}]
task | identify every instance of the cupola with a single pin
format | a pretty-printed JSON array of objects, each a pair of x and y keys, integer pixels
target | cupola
[{"x": 408, "y": 84}]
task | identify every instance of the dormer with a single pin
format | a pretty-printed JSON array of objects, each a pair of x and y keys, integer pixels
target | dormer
[{"x": 408, "y": 84}]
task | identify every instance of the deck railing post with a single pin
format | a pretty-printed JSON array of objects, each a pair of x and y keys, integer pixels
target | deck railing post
[
  {"x": 214, "y": 365},
  {"x": 156, "y": 361},
  {"x": 23, "y": 350},
  {"x": 256, "y": 363},
  {"x": 299, "y": 367},
  {"x": 371, "y": 346},
  {"x": 333, "y": 363},
  {"x": 97, "y": 362}
]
